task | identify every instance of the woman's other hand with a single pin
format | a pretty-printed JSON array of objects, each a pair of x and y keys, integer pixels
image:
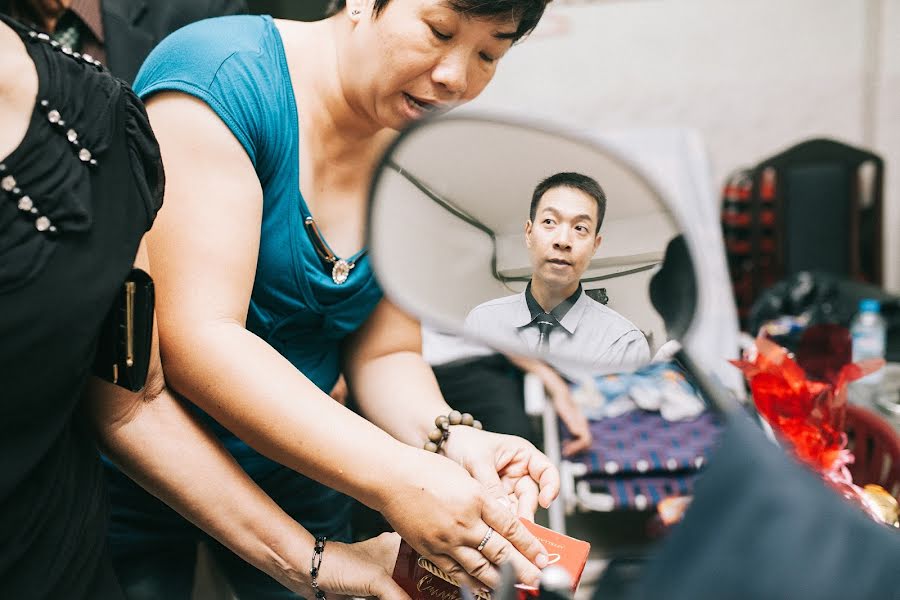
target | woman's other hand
[
  {"x": 360, "y": 570},
  {"x": 508, "y": 466},
  {"x": 444, "y": 513}
]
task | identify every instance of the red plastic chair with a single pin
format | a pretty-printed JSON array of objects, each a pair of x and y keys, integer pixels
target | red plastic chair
[{"x": 876, "y": 446}]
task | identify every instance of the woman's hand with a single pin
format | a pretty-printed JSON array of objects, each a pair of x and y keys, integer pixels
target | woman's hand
[
  {"x": 508, "y": 466},
  {"x": 445, "y": 514},
  {"x": 360, "y": 570}
]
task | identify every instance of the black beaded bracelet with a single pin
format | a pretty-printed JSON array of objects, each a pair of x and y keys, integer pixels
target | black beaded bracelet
[
  {"x": 315, "y": 563},
  {"x": 437, "y": 436}
]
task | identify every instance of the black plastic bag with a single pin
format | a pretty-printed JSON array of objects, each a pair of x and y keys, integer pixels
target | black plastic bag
[{"x": 822, "y": 298}]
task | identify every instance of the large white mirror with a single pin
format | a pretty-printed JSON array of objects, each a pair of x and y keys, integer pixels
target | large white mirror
[{"x": 494, "y": 229}]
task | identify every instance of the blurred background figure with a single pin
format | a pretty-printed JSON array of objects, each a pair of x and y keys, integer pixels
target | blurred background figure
[{"x": 118, "y": 33}]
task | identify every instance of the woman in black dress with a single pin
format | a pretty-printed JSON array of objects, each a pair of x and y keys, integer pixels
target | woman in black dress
[{"x": 80, "y": 183}]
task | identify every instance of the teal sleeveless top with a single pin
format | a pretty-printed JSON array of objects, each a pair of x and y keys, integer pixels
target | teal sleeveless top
[{"x": 237, "y": 66}]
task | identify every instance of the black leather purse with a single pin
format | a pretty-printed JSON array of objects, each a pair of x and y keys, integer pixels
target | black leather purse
[{"x": 123, "y": 350}]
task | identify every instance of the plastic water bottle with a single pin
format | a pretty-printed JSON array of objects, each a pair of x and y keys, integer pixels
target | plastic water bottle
[{"x": 868, "y": 332}]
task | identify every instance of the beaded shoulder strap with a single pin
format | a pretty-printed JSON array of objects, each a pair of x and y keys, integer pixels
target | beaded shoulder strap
[{"x": 8, "y": 182}]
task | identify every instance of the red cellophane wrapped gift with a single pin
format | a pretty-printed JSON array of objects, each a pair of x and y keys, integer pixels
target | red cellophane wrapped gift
[{"x": 806, "y": 413}]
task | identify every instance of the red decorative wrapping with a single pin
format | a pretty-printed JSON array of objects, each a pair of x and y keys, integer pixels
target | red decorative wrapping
[{"x": 807, "y": 414}]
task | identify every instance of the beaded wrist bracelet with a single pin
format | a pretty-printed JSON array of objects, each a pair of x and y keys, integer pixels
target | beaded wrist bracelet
[
  {"x": 315, "y": 563},
  {"x": 436, "y": 437}
]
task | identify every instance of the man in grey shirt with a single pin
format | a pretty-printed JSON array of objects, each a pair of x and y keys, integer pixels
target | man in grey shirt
[{"x": 553, "y": 313}]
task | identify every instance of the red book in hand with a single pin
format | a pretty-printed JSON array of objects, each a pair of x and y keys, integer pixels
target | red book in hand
[{"x": 423, "y": 581}]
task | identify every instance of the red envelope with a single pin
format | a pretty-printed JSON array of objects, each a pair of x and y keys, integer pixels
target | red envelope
[{"x": 423, "y": 581}]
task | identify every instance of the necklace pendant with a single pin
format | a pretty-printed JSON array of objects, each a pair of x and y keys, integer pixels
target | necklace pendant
[{"x": 340, "y": 271}]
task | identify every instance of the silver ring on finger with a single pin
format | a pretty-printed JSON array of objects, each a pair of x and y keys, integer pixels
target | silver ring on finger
[{"x": 485, "y": 539}]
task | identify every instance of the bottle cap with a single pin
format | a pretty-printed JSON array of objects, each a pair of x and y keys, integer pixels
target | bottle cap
[{"x": 869, "y": 305}]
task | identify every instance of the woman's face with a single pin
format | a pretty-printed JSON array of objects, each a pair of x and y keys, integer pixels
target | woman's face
[{"x": 418, "y": 56}]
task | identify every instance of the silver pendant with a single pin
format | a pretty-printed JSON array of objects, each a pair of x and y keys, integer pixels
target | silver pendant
[{"x": 340, "y": 271}]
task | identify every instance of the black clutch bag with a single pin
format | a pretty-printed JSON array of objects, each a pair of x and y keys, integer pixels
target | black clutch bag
[{"x": 123, "y": 350}]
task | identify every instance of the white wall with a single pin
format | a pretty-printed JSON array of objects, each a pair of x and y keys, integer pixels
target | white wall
[
  {"x": 887, "y": 130},
  {"x": 753, "y": 76}
]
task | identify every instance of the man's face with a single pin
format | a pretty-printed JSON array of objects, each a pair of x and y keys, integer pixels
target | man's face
[{"x": 562, "y": 238}]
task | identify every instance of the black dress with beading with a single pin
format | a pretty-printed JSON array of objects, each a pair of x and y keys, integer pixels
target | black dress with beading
[{"x": 76, "y": 197}]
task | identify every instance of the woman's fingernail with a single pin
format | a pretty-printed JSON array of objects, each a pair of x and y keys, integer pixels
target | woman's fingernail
[{"x": 542, "y": 560}]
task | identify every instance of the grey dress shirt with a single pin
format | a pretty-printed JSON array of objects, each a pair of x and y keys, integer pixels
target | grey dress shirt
[{"x": 588, "y": 331}]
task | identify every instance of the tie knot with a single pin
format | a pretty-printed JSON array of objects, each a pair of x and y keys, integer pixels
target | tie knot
[{"x": 545, "y": 323}]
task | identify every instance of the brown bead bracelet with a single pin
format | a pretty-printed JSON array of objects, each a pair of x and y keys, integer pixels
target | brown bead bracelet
[{"x": 436, "y": 437}]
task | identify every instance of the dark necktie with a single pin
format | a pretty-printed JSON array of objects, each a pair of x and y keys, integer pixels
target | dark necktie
[{"x": 545, "y": 324}]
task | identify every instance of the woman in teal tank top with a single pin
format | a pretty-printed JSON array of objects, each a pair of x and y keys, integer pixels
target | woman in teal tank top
[{"x": 269, "y": 131}]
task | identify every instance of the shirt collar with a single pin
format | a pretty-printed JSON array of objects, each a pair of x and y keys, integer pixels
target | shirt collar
[
  {"x": 572, "y": 318},
  {"x": 567, "y": 312},
  {"x": 559, "y": 311},
  {"x": 89, "y": 12}
]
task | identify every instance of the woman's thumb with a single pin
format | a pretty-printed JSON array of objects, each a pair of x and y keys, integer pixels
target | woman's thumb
[
  {"x": 385, "y": 548},
  {"x": 388, "y": 545}
]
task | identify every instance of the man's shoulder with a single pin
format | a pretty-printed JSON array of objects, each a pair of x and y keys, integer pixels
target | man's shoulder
[
  {"x": 188, "y": 11},
  {"x": 496, "y": 305},
  {"x": 161, "y": 17},
  {"x": 133, "y": 28},
  {"x": 612, "y": 320},
  {"x": 498, "y": 312}
]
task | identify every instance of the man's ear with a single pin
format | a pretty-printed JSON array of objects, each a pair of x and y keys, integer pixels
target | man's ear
[
  {"x": 528, "y": 226},
  {"x": 597, "y": 239}
]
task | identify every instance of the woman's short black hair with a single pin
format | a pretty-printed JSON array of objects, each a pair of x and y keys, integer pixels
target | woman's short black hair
[
  {"x": 527, "y": 12},
  {"x": 576, "y": 181}
]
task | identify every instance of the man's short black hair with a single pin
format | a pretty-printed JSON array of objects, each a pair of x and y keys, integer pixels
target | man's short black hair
[
  {"x": 526, "y": 12},
  {"x": 575, "y": 181}
]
